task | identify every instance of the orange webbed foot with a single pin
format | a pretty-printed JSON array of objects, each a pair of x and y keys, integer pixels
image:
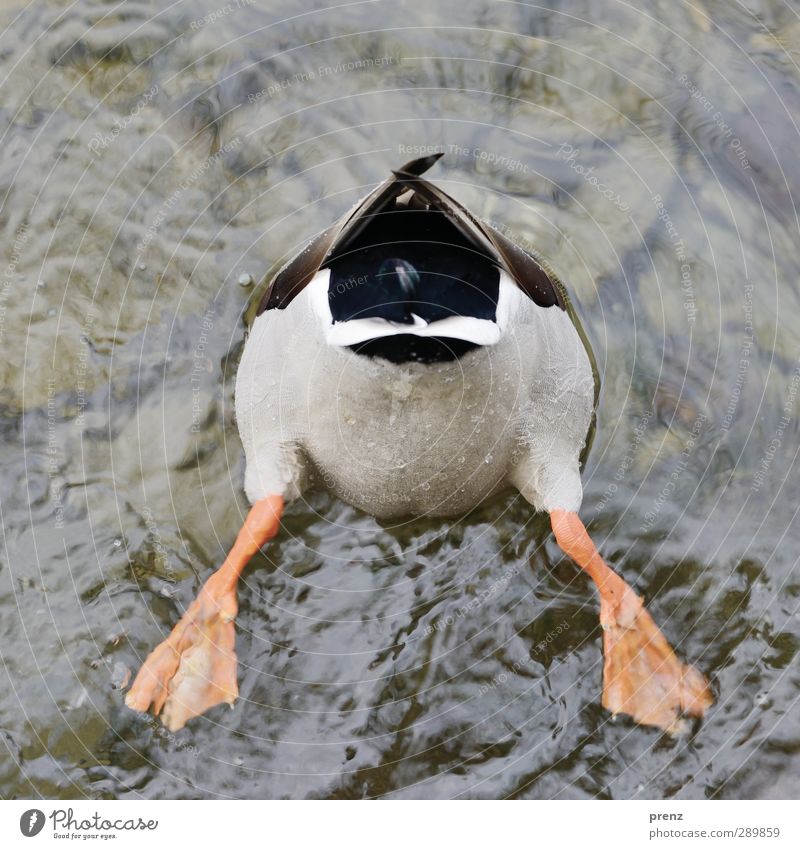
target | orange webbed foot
[
  {"x": 194, "y": 669},
  {"x": 642, "y": 676}
]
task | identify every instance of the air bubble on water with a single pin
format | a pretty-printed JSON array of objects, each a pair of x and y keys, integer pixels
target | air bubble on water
[
  {"x": 142, "y": 266},
  {"x": 117, "y": 543},
  {"x": 488, "y": 458},
  {"x": 52, "y": 312},
  {"x": 245, "y": 279}
]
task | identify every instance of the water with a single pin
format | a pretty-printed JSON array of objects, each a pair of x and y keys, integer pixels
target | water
[{"x": 148, "y": 163}]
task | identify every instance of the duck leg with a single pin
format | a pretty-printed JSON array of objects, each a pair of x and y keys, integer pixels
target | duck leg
[
  {"x": 641, "y": 674},
  {"x": 194, "y": 669}
]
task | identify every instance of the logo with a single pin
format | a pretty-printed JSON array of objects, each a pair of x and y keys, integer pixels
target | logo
[{"x": 31, "y": 822}]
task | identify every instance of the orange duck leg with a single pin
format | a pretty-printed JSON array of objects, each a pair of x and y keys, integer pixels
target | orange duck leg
[
  {"x": 641, "y": 674},
  {"x": 194, "y": 669}
]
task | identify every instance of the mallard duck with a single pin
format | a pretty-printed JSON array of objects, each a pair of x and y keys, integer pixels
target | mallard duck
[{"x": 413, "y": 360}]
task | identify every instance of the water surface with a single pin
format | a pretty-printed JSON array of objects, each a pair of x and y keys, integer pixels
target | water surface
[{"x": 151, "y": 157}]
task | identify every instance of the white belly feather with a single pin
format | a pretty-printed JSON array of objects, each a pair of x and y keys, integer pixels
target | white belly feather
[{"x": 414, "y": 438}]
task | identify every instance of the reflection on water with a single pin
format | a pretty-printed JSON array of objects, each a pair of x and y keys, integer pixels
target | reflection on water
[{"x": 149, "y": 163}]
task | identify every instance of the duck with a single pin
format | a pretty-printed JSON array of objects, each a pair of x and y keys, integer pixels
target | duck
[{"x": 415, "y": 361}]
